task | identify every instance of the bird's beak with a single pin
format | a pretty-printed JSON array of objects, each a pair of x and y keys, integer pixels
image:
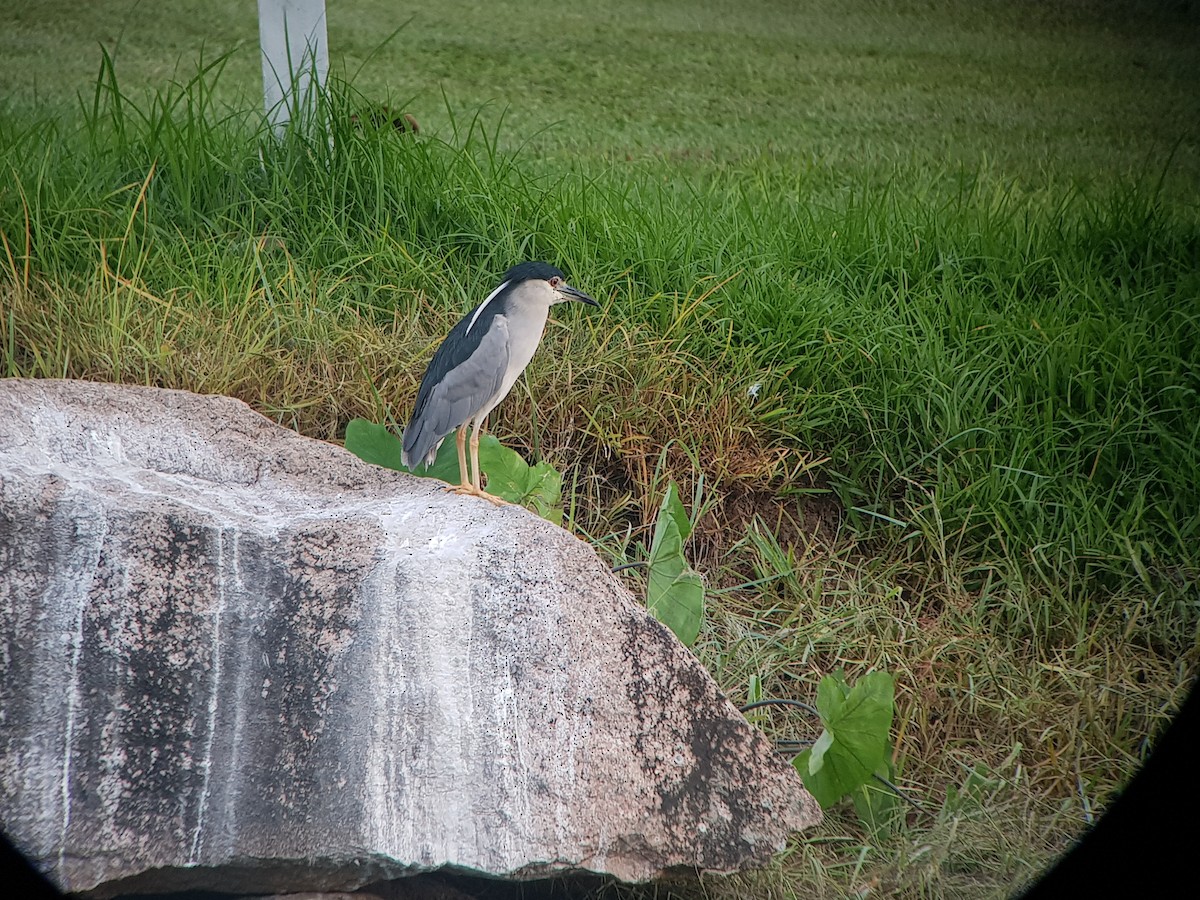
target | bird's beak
[{"x": 569, "y": 293}]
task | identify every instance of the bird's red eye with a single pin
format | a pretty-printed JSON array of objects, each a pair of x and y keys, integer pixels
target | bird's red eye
[{"x": 555, "y": 281}]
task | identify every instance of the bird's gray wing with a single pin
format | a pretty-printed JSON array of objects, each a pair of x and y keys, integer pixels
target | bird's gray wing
[{"x": 463, "y": 390}]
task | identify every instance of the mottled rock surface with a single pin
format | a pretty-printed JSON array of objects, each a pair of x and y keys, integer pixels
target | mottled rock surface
[{"x": 232, "y": 656}]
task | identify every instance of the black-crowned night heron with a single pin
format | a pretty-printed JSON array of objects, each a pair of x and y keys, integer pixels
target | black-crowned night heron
[{"x": 479, "y": 362}]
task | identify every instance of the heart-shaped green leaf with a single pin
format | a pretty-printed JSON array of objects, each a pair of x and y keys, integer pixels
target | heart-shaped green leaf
[{"x": 854, "y": 743}]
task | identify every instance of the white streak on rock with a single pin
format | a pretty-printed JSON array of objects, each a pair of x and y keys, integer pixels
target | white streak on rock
[
  {"x": 214, "y": 694},
  {"x": 73, "y": 588}
]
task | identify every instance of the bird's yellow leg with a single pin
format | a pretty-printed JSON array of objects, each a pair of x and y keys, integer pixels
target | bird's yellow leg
[
  {"x": 474, "y": 488},
  {"x": 461, "y": 439},
  {"x": 475, "y": 476},
  {"x": 464, "y": 483}
]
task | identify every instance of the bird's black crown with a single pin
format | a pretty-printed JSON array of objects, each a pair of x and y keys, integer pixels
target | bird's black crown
[{"x": 528, "y": 270}]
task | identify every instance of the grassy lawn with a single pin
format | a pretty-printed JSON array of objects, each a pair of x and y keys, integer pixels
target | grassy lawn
[
  {"x": 1076, "y": 88},
  {"x": 911, "y": 290}
]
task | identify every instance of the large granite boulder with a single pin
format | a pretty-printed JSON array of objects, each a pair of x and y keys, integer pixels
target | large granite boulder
[{"x": 232, "y": 657}]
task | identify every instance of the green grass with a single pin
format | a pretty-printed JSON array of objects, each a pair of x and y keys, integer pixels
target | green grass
[
  {"x": 1083, "y": 88},
  {"x": 972, "y": 455}
]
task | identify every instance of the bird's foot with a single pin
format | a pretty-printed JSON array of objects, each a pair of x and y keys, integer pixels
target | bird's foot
[{"x": 472, "y": 491}]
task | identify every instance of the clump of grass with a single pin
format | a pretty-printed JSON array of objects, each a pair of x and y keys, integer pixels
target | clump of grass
[{"x": 945, "y": 426}]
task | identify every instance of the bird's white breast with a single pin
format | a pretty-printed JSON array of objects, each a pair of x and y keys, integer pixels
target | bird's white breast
[
  {"x": 524, "y": 337},
  {"x": 523, "y": 321}
]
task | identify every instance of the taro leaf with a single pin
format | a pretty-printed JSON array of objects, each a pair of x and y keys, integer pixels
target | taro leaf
[
  {"x": 537, "y": 487},
  {"x": 674, "y": 593},
  {"x": 509, "y": 477},
  {"x": 854, "y": 743},
  {"x": 674, "y": 506},
  {"x": 374, "y": 444},
  {"x": 832, "y": 691},
  {"x": 678, "y": 602},
  {"x": 817, "y": 751},
  {"x": 671, "y": 512}
]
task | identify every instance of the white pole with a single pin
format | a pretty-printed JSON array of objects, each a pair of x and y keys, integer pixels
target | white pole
[{"x": 294, "y": 45}]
